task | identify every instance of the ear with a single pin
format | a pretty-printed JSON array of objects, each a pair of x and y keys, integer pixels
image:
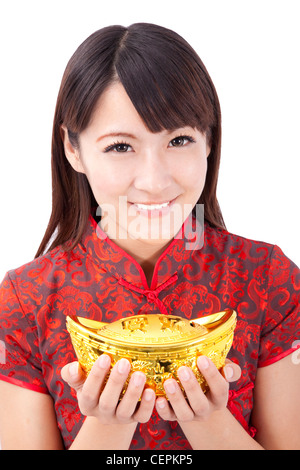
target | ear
[{"x": 72, "y": 153}]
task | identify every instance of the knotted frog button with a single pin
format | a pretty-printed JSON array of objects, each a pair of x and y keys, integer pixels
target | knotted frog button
[{"x": 151, "y": 296}]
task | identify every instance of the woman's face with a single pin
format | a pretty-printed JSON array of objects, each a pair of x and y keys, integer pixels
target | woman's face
[{"x": 145, "y": 183}]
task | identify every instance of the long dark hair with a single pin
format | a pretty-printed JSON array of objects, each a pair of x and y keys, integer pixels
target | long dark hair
[{"x": 169, "y": 87}]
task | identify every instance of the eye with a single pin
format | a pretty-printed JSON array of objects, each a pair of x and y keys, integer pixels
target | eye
[
  {"x": 181, "y": 140},
  {"x": 120, "y": 147}
]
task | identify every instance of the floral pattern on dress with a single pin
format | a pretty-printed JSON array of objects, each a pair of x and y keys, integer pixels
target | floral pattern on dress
[{"x": 98, "y": 280}]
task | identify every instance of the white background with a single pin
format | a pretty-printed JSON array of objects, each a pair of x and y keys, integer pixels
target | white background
[{"x": 251, "y": 50}]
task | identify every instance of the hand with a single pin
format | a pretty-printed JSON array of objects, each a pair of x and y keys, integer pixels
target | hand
[
  {"x": 95, "y": 398},
  {"x": 198, "y": 406}
]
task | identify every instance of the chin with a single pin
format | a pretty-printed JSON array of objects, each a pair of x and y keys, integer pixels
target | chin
[{"x": 152, "y": 239}]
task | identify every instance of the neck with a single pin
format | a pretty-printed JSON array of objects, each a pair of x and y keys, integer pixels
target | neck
[
  {"x": 143, "y": 251},
  {"x": 145, "y": 254}
]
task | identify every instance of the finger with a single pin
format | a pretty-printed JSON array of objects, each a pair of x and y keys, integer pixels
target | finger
[
  {"x": 195, "y": 395},
  {"x": 177, "y": 400},
  {"x": 144, "y": 412},
  {"x": 73, "y": 375},
  {"x": 111, "y": 394},
  {"x": 91, "y": 390},
  {"x": 133, "y": 393},
  {"x": 218, "y": 386},
  {"x": 164, "y": 409},
  {"x": 231, "y": 371}
]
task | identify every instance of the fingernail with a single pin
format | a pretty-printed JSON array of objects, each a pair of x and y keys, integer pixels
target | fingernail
[
  {"x": 123, "y": 366},
  {"x": 184, "y": 374},
  {"x": 203, "y": 362},
  {"x": 73, "y": 369},
  {"x": 138, "y": 379},
  {"x": 160, "y": 403},
  {"x": 170, "y": 386},
  {"x": 148, "y": 394},
  {"x": 103, "y": 361},
  {"x": 228, "y": 372}
]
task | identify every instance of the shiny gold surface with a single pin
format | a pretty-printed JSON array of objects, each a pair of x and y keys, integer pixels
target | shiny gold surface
[{"x": 155, "y": 344}]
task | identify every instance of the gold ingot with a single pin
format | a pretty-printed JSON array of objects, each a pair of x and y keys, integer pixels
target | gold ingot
[{"x": 155, "y": 344}]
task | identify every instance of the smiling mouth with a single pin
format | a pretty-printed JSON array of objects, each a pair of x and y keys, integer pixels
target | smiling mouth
[{"x": 154, "y": 208}]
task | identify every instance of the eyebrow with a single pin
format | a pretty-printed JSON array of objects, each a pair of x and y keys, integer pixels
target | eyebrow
[
  {"x": 130, "y": 136},
  {"x": 116, "y": 134}
]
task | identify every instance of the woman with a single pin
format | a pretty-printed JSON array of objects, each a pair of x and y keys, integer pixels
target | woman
[{"x": 136, "y": 141}]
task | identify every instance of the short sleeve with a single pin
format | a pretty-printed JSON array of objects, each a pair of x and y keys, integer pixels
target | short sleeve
[
  {"x": 20, "y": 360},
  {"x": 281, "y": 329}
]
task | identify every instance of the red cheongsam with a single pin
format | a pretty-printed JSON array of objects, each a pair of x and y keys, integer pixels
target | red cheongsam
[{"x": 98, "y": 280}]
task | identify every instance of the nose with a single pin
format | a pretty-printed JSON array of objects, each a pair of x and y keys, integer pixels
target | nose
[{"x": 152, "y": 173}]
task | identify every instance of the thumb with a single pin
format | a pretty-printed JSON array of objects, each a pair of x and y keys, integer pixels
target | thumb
[
  {"x": 231, "y": 371},
  {"x": 73, "y": 375}
]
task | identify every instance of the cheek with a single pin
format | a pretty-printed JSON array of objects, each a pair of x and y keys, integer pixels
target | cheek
[
  {"x": 105, "y": 184},
  {"x": 193, "y": 175}
]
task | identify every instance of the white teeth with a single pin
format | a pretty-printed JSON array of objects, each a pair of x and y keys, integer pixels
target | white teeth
[{"x": 152, "y": 207}]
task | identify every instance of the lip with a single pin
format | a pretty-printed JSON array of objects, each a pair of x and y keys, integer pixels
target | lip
[
  {"x": 150, "y": 203},
  {"x": 154, "y": 212}
]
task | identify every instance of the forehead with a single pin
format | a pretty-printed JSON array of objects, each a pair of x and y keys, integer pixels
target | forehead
[
  {"x": 114, "y": 104},
  {"x": 116, "y": 115}
]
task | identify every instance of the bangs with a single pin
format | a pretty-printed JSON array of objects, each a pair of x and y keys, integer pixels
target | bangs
[{"x": 165, "y": 80}]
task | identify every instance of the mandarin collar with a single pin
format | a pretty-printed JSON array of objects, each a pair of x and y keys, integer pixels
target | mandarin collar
[{"x": 122, "y": 266}]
